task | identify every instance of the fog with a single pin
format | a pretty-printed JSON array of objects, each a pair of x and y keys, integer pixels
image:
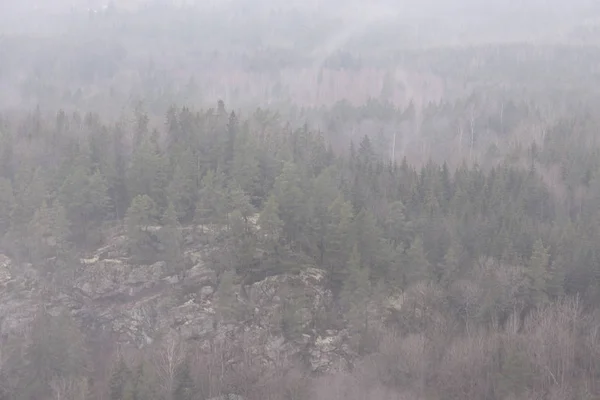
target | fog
[
  {"x": 299, "y": 200},
  {"x": 48, "y": 43}
]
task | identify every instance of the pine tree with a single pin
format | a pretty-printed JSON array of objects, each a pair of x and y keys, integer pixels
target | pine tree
[
  {"x": 183, "y": 189},
  {"x": 270, "y": 225},
  {"x": 7, "y": 166},
  {"x": 108, "y": 155},
  {"x": 54, "y": 349},
  {"x": 227, "y": 141},
  {"x": 241, "y": 242},
  {"x": 49, "y": 233},
  {"x": 240, "y": 201},
  {"x": 148, "y": 173},
  {"x": 339, "y": 241},
  {"x": 29, "y": 198},
  {"x": 366, "y": 154},
  {"x": 211, "y": 207},
  {"x": 86, "y": 199},
  {"x": 324, "y": 193},
  {"x": 171, "y": 240},
  {"x": 451, "y": 265},
  {"x": 368, "y": 236},
  {"x": 245, "y": 168},
  {"x": 140, "y": 221},
  {"x": 417, "y": 264},
  {"x": 293, "y": 207},
  {"x": 397, "y": 274},
  {"x": 355, "y": 293},
  {"x": 396, "y": 225},
  {"x": 7, "y": 202}
]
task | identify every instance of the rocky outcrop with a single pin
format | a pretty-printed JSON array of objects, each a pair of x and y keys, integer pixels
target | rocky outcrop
[
  {"x": 140, "y": 304},
  {"x": 19, "y": 296}
]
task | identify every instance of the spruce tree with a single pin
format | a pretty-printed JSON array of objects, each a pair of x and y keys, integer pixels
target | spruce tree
[
  {"x": 396, "y": 224},
  {"x": 368, "y": 239},
  {"x": 239, "y": 201},
  {"x": 450, "y": 267},
  {"x": 418, "y": 268},
  {"x": 140, "y": 222},
  {"x": 339, "y": 241},
  {"x": 355, "y": 293},
  {"x": 293, "y": 208},
  {"x": 147, "y": 174},
  {"x": 211, "y": 207},
  {"x": 171, "y": 240},
  {"x": 183, "y": 188},
  {"x": 270, "y": 225},
  {"x": 49, "y": 233},
  {"x": 245, "y": 168},
  {"x": 7, "y": 202}
]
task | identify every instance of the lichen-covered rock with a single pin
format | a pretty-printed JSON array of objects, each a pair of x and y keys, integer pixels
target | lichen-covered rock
[
  {"x": 329, "y": 352},
  {"x": 200, "y": 275},
  {"x": 5, "y": 274},
  {"x": 113, "y": 277},
  {"x": 19, "y": 296},
  {"x": 140, "y": 304},
  {"x": 192, "y": 320}
]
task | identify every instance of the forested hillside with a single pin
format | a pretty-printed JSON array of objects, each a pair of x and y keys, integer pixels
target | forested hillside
[
  {"x": 486, "y": 257},
  {"x": 311, "y": 201}
]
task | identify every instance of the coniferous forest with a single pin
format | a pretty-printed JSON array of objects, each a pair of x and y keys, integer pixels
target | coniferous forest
[{"x": 443, "y": 202}]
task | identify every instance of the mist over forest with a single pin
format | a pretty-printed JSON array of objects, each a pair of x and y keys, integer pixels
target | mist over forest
[{"x": 299, "y": 200}]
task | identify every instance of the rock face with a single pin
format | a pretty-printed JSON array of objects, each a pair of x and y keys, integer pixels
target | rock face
[
  {"x": 139, "y": 304},
  {"x": 19, "y": 296}
]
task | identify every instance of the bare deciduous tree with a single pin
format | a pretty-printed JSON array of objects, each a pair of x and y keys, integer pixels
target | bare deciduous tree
[
  {"x": 70, "y": 388},
  {"x": 170, "y": 353}
]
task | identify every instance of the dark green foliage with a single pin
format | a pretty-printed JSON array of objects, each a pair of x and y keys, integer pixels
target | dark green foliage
[
  {"x": 418, "y": 268},
  {"x": 211, "y": 207},
  {"x": 270, "y": 225},
  {"x": 183, "y": 187},
  {"x": 339, "y": 241},
  {"x": 141, "y": 228},
  {"x": 269, "y": 199},
  {"x": 493, "y": 211},
  {"x": 290, "y": 194},
  {"x": 7, "y": 203},
  {"x": 86, "y": 200},
  {"x": 218, "y": 170},
  {"x": 49, "y": 232},
  {"x": 147, "y": 174},
  {"x": 171, "y": 240},
  {"x": 239, "y": 201},
  {"x": 355, "y": 296},
  {"x": 55, "y": 350}
]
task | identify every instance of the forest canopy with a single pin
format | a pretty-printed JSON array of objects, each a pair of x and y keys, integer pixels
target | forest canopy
[{"x": 287, "y": 181}]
